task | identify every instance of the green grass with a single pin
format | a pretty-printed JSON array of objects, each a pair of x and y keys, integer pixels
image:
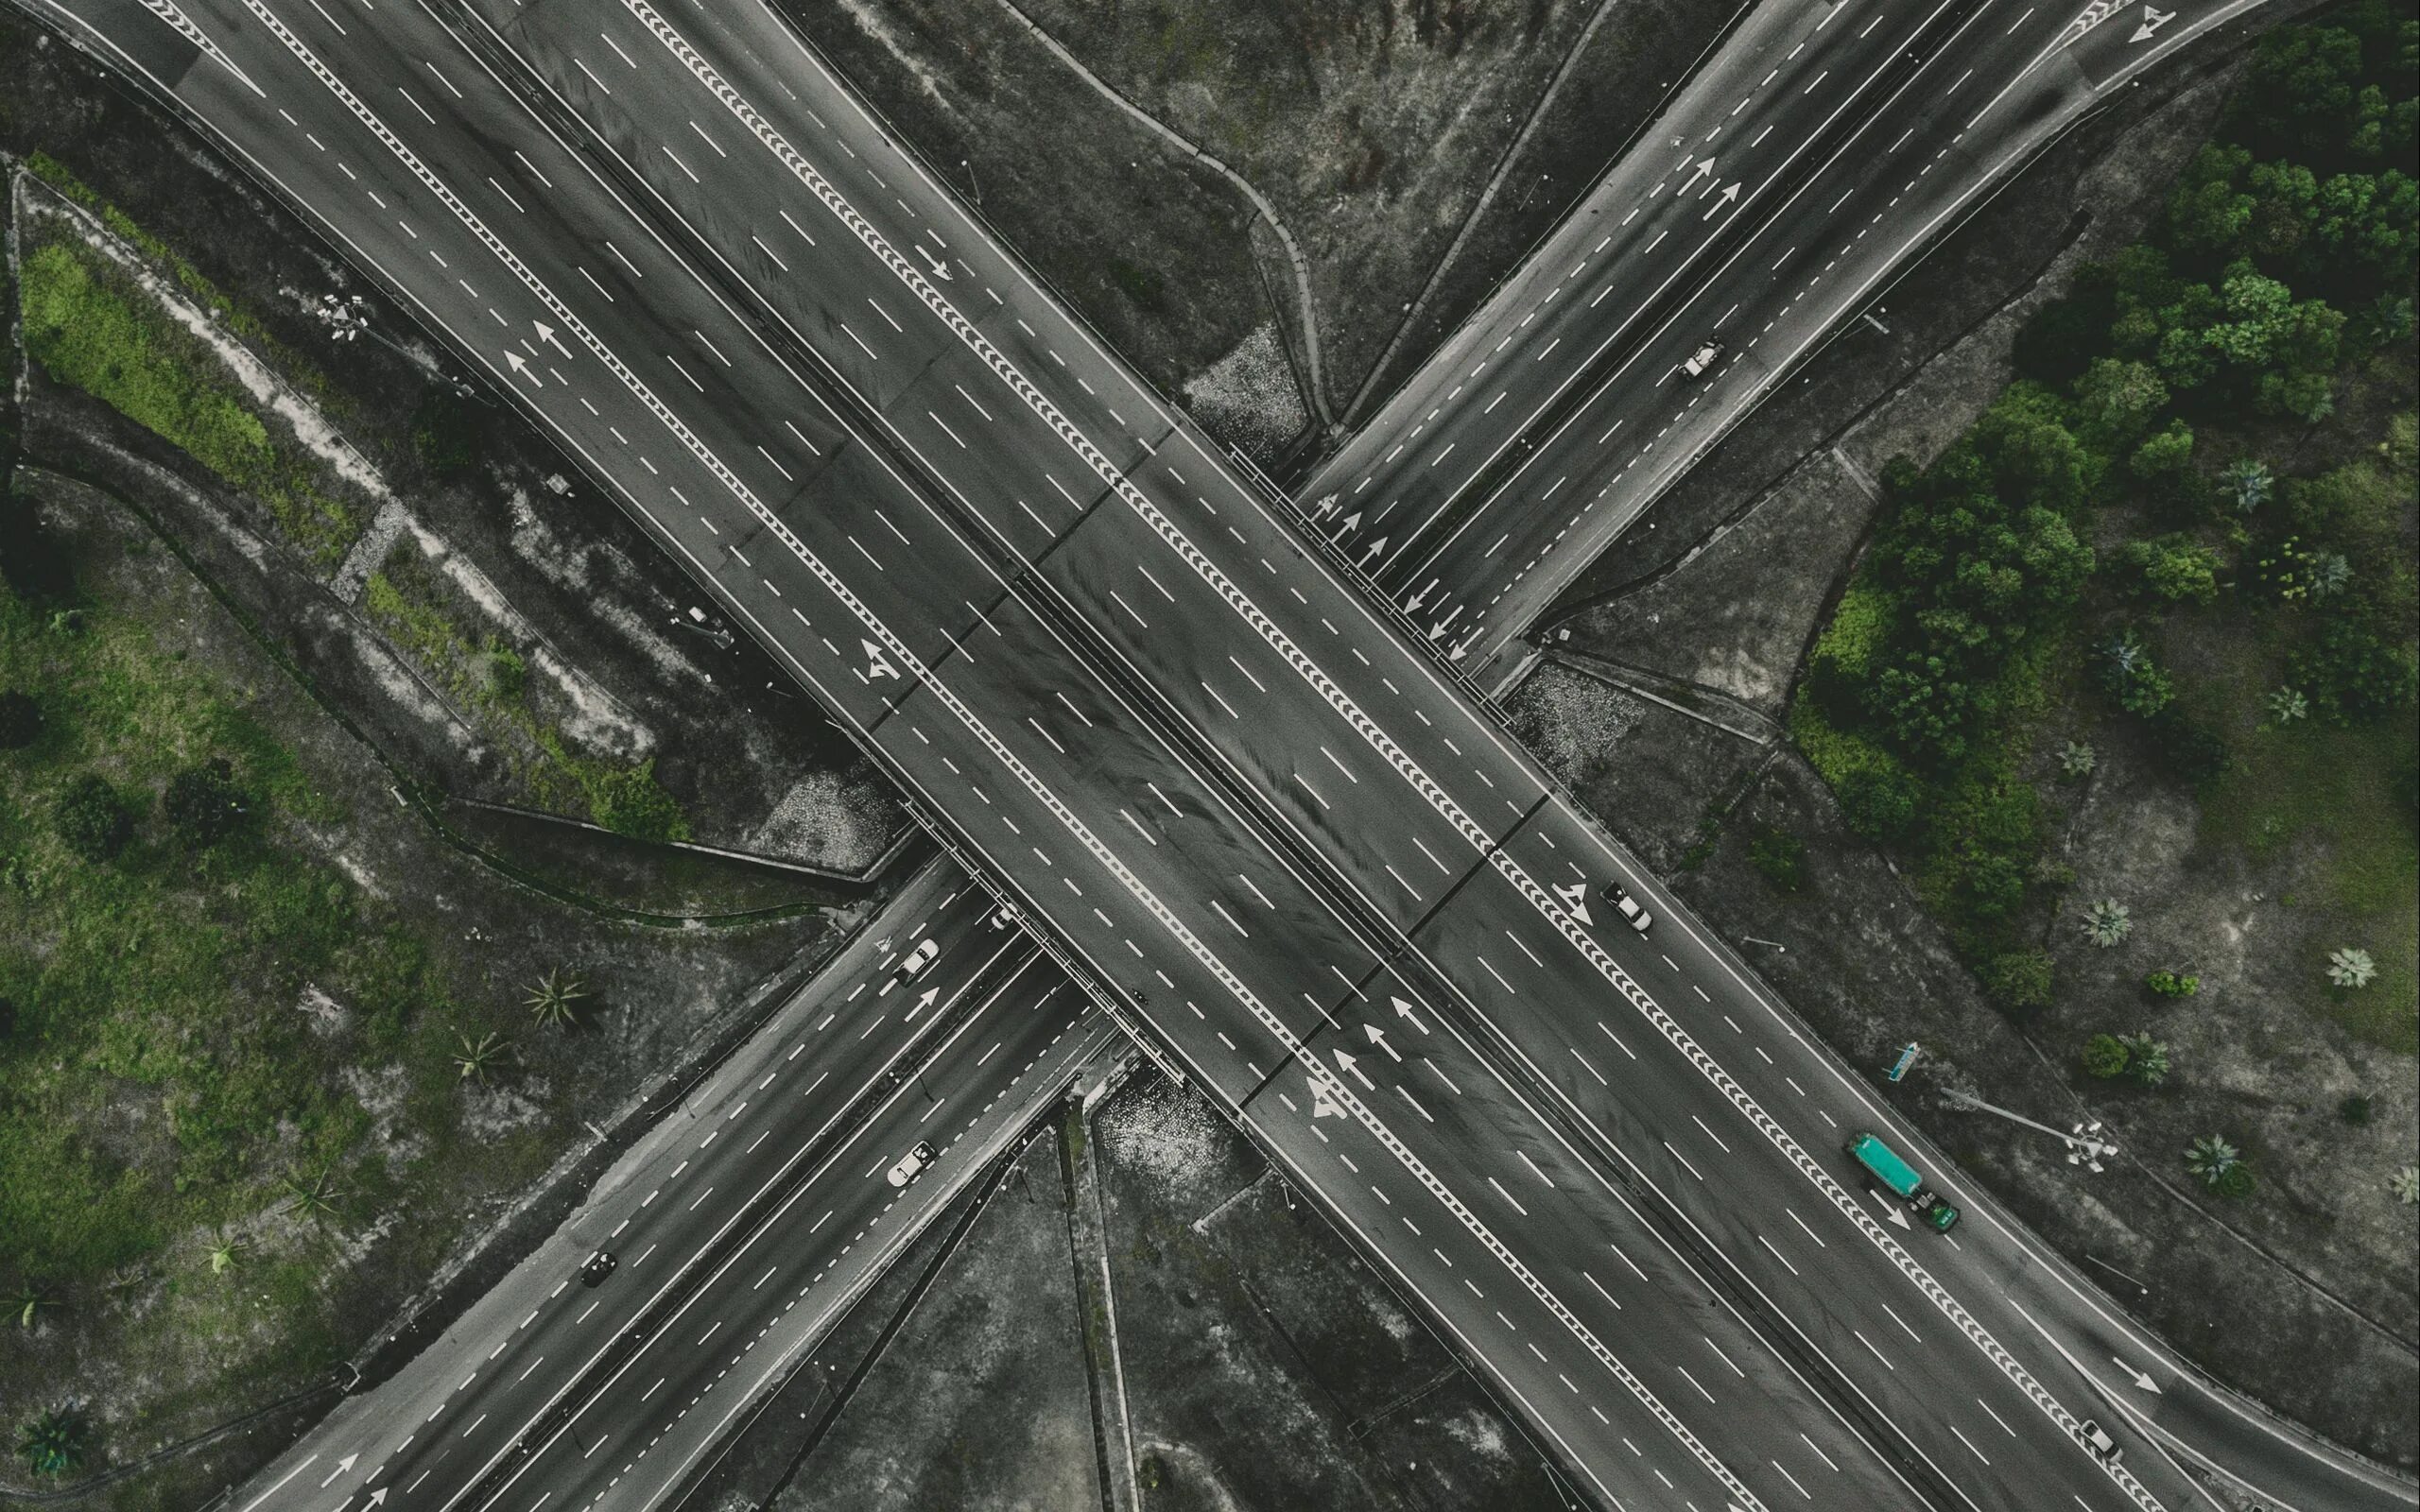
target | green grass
[
  {"x": 93, "y": 328},
  {"x": 415, "y": 605},
  {"x": 159, "y": 1078},
  {"x": 2331, "y": 788}
]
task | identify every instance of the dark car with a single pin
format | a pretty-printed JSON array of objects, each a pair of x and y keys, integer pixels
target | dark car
[{"x": 593, "y": 1270}]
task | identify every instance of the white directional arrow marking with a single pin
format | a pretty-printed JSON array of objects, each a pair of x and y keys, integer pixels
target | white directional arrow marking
[
  {"x": 2152, "y": 20},
  {"x": 1898, "y": 1217},
  {"x": 377, "y": 1496},
  {"x": 1322, "y": 1101},
  {"x": 1353, "y": 1068},
  {"x": 1403, "y": 1012},
  {"x": 343, "y": 1466},
  {"x": 1576, "y": 898},
  {"x": 521, "y": 365},
  {"x": 881, "y": 666},
  {"x": 1411, "y": 605},
  {"x": 1730, "y": 193},
  {"x": 547, "y": 334},
  {"x": 1375, "y": 547},
  {"x": 941, "y": 269},
  {"x": 1349, "y": 523},
  {"x": 932, "y": 994},
  {"x": 2142, "y": 1378},
  {"x": 1378, "y": 1037},
  {"x": 1704, "y": 170}
]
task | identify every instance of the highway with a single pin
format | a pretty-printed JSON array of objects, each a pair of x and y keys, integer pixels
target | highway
[
  {"x": 743, "y": 1224},
  {"x": 1816, "y": 152},
  {"x": 1051, "y": 639}
]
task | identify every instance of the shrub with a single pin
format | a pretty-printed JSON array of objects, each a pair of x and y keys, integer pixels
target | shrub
[
  {"x": 501, "y": 673},
  {"x": 92, "y": 819},
  {"x": 20, "y": 720},
  {"x": 2235, "y": 1182},
  {"x": 1781, "y": 857},
  {"x": 627, "y": 801},
  {"x": 2354, "y": 1111},
  {"x": 1879, "y": 803},
  {"x": 2019, "y": 982},
  {"x": 443, "y": 436},
  {"x": 2078, "y": 761},
  {"x": 2104, "y": 1057},
  {"x": 204, "y": 805},
  {"x": 2173, "y": 984}
]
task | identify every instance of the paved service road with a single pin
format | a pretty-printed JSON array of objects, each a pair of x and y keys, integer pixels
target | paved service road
[
  {"x": 741, "y": 1226},
  {"x": 1254, "y": 810}
]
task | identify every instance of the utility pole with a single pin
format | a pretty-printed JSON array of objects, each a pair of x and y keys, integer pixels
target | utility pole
[
  {"x": 968, "y": 163},
  {"x": 2085, "y": 1146}
]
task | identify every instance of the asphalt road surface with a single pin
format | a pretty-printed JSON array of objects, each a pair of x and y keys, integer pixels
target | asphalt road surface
[
  {"x": 1257, "y": 811},
  {"x": 741, "y": 1229},
  {"x": 1797, "y": 172}
]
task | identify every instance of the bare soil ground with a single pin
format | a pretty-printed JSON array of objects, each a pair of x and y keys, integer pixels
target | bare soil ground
[
  {"x": 1263, "y": 1365},
  {"x": 532, "y": 561},
  {"x": 1372, "y": 126}
]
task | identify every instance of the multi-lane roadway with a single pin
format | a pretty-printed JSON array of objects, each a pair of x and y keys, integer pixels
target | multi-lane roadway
[
  {"x": 739, "y": 1229},
  {"x": 1816, "y": 151},
  {"x": 1258, "y": 815}
]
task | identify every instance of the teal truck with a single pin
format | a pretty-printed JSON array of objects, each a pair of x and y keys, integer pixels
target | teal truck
[{"x": 1900, "y": 1178}]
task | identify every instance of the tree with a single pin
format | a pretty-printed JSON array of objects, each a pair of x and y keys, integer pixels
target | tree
[
  {"x": 2351, "y": 967},
  {"x": 203, "y": 804},
  {"x": 555, "y": 996},
  {"x": 2287, "y": 705},
  {"x": 2405, "y": 1184},
  {"x": 53, "y": 1441},
  {"x": 2139, "y": 684},
  {"x": 2211, "y": 1157},
  {"x": 2107, "y": 922},
  {"x": 2117, "y": 400},
  {"x": 20, "y": 720},
  {"x": 2175, "y": 569},
  {"x": 2078, "y": 761},
  {"x": 92, "y": 819},
  {"x": 2018, "y": 982},
  {"x": 2146, "y": 1059},
  {"x": 2104, "y": 1057},
  {"x": 2172, "y": 983},
  {"x": 474, "y": 1058},
  {"x": 2165, "y": 459},
  {"x": 501, "y": 673}
]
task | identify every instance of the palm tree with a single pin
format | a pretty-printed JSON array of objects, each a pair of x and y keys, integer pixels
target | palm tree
[
  {"x": 2351, "y": 967},
  {"x": 315, "y": 1198},
  {"x": 2107, "y": 922},
  {"x": 554, "y": 997},
  {"x": 52, "y": 1441},
  {"x": 28, "y": 1300},
  {"x": 2246, "y": 483},
  {"x": 2146, "y": 1059},
  {"x": 2211, "y": 1158},
  {"x": 477, "y": 1057},
  {"x": 223, "y": 1251},
  {"x": 2405, "y": 1184},
  {"x": 2330, "y": 574}
]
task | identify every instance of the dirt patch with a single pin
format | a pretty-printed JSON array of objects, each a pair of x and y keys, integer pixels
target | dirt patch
[{"x": 1237, "y": 1305}]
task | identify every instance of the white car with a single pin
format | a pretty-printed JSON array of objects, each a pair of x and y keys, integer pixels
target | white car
[
  {"x": 1702, "y": 360},
  {"x": 911, "y": 1164},
  {"x": 2101, "y": 1443},
  {"x": 1627, "y": 906},
  {"x": 919, "y": 958}
]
